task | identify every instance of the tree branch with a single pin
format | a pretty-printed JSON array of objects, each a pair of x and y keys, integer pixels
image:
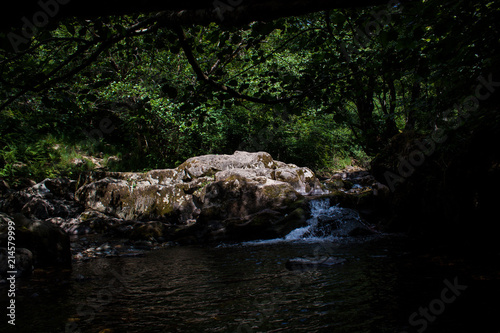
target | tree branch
[
  {"x": 50, "y": 79},
  {"x": 218, "y": 86}
]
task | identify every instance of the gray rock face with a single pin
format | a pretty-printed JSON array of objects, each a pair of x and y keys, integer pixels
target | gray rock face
[{"x": 253, "y": 179}]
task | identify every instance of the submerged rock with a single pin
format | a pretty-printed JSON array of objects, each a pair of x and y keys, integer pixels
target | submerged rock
[{"x": 312, "y": 263}]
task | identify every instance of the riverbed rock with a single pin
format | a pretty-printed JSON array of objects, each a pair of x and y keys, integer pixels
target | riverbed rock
[
  {"x": 49, "y": 244},
  {"x": 237, "y": 196}
]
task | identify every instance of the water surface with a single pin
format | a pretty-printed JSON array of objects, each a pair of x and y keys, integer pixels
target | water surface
[{"x": 248, "y": 289}]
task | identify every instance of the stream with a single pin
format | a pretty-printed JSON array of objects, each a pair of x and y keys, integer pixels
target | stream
[{"x": 386, "y": 284}]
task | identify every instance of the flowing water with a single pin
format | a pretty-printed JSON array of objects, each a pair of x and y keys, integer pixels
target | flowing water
[{"x": 382, "y": 287}]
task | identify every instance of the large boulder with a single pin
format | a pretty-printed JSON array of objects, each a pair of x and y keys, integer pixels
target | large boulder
[
  {"x": 49, "y": 244},
  {"x": 209, "y": 194},
  {"x": 237, "y": 208}
]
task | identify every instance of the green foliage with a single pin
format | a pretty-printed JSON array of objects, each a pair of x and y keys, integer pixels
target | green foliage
[
  {"x": 45, "y": 158},
  {"x": 98, "y": 87}
]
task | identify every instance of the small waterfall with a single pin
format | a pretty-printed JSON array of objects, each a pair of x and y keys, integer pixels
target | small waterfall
[
  {"x": 324, "y": 220},
  {"x": 327, "y": 223}
]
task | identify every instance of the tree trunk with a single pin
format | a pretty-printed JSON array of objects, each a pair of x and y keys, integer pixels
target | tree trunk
[{"x": 365, "y": 108}]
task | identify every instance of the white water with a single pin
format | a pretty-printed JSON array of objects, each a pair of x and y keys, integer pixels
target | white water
[
  {"x": 311, "y": 233},
  {"x": 319, "y": 209}
]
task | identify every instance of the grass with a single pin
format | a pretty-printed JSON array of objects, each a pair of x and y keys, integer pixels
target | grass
[{"x": 48, "y": 157}]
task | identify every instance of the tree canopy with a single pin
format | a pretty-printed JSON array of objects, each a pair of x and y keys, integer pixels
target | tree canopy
[{"x": 154, "y": 88}]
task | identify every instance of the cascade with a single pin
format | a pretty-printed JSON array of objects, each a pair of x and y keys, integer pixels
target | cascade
[{"x": 327, "y": 223}]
